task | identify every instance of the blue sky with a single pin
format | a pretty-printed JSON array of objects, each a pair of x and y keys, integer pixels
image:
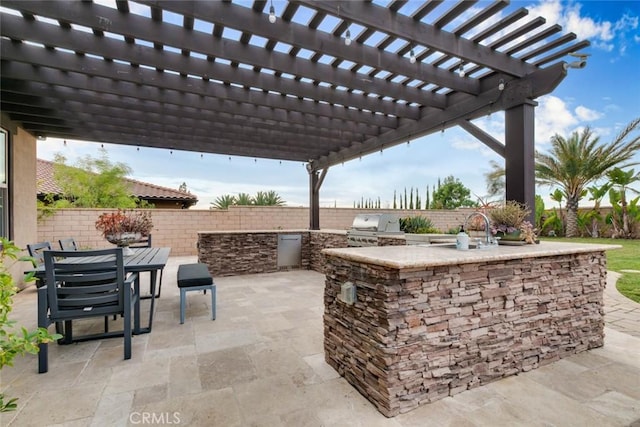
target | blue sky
[{"x": 605, "y": 96}]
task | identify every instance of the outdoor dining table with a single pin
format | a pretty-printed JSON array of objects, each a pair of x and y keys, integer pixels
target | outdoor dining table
[{"x": 149, "y": 260}]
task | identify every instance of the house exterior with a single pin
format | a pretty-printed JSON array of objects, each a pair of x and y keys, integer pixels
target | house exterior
[{"x": 160, "y": 197}]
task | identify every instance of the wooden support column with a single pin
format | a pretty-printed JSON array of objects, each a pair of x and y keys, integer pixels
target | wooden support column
[
  {"x": 314, "y": 201},
  {"x": 315, "y": 182},
  {"x": 520, "y": 155}
]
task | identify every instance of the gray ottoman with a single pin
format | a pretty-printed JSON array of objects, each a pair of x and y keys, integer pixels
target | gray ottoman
[{"x": 195, "y": 277}]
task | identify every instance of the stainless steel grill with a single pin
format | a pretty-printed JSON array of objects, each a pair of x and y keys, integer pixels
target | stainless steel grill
[{"x": 366, "y": 228}]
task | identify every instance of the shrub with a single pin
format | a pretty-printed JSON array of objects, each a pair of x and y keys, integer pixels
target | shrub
[{"x": 417, "y": 225}]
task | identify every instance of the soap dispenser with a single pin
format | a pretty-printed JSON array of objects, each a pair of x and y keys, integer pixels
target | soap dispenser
[{"x": 462, "y": 240}]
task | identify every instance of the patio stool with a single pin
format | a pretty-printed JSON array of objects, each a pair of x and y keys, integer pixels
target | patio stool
[{"x": 195, "y": 277}]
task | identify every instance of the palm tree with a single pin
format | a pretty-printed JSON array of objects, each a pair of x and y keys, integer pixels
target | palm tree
[
  {"x": 268, "y": 198},
  {"x": 574, "y": 163},
  {"x": 597, "y": 194},
  {"x": 621, "y": 182},
  {"x": 223, "y": 202},
  {"x": 495, "y": 179},
  {"x": 244, "y": 199}
]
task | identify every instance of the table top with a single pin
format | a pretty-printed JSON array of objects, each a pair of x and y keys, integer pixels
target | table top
[{"x": 143, "y": 259}]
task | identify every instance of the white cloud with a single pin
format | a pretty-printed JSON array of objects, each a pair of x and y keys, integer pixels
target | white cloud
[
  {"x": 586, "y": 114},
  {"x": 552, "y": 116},
  {"x": 604, "y": 35}
]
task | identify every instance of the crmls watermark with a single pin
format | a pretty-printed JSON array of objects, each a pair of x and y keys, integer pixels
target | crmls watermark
[{"x": 154, "y": 418}]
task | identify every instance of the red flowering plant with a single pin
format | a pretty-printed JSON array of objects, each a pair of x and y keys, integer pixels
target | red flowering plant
[{"x": 124, "y": 221}]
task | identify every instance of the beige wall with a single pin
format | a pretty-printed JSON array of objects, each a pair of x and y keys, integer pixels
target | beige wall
[
  {"x": 22, "y": 170},
  {"x": 178, "y": 228}
]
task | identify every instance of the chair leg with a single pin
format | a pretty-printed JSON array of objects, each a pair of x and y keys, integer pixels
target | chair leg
[
  {"x": 43, "y": 353},
  {"x": 213, "y": 302},
  {"x": 68, "y": 332},
  {"x": 183, "y": 304},
  {"x": 127, "y": 325},
  {"x": 43, "y": 358}
]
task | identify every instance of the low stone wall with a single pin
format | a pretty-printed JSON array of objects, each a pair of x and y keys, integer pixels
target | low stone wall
[
  {"x": 240, "y": 252},
  {"x": 320, "y": 240},
  {"x": 417, "y": 336},
  {"x": 234, "y": 253}
]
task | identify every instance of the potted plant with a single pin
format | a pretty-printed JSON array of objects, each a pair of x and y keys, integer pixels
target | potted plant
[
  {"x": 509, "y": 222},
  {"x": 124, "y": 227}
]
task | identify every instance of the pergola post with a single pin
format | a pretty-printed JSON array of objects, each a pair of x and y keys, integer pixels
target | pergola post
[
  {"x": 520, "y": 155},
  {"x": 314, "y": 200}
]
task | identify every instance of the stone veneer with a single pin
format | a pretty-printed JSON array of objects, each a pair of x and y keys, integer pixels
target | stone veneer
[
  {"x": 245, "y": 252},
  {"x": 421, "y": 334}
]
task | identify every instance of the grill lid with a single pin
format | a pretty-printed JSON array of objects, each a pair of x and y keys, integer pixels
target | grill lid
[{"x": 380, "y": 223}]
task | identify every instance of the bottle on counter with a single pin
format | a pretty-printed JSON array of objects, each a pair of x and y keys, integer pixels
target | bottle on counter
[{"x": 462, "y": 240}]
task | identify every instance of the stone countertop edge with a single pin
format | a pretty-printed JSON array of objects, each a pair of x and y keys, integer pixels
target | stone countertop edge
[
  {"x": 406, "y": 257},
  {"x": 328, "y": 231}
]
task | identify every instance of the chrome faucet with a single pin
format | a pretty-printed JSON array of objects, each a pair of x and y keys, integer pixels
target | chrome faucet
[{"x": 487, "y": 227}]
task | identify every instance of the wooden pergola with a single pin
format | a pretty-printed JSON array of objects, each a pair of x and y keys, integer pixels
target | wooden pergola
[{"x": 324, "y": 83}]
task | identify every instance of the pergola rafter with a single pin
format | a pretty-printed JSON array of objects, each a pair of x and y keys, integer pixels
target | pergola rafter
[{"x": 218, "y": 77}]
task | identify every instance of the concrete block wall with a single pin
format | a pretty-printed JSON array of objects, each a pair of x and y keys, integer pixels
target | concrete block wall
[
  {"x": 416, "y": 336},
  {"x": 178, "y": 228}
]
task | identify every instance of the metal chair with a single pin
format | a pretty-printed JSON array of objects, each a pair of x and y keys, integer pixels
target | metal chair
[
  {"x": 95, "y": 287},
  {"x": 36, "y": 251},
  {"x": 68, "y": 244}
]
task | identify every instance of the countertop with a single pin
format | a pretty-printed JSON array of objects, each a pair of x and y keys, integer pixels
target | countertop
[
  {"x": 288, "y": 231},
  {"x": 416, "y": 256}
]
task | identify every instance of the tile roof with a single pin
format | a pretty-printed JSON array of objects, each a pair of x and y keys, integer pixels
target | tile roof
[{"x": 143, "y": 190}]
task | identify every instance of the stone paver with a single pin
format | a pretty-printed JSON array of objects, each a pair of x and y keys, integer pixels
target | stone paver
[
  {"x": 620, "y": 313},
  {"x": 261, "y": 363}
]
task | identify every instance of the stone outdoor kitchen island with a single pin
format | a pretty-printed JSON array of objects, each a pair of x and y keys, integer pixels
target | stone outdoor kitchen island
[{"x": 430, "y": 322}]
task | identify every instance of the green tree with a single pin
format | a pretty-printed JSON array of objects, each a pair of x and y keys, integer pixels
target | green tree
[
  {"x": 411, "y": 199},
  {"x": 427, "y": 201},
  {"x": 451, "y": 194},
  {"x": 93, "y": 183},
  {"x": 573, "y": 163},
  {"x": 395, "y": 205}
]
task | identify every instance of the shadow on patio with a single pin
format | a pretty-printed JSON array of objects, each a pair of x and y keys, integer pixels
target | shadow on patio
[{"x": 261, "y": 363}]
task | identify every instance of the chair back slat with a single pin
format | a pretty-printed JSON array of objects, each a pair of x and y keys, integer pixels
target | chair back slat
[
  {"x": 36, "y": 251},
  {"x": 68, "y": 244},
  {"x": 87, "y": 287},
  {"x": 144, "y": 242}
]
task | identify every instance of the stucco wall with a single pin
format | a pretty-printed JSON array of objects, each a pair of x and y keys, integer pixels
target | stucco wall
[
  {"x": 179, "y": 229},
  {"x": 22, "y": 180}
]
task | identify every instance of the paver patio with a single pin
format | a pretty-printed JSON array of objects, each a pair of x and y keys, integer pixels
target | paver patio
[{"x": 261, "y": 363}]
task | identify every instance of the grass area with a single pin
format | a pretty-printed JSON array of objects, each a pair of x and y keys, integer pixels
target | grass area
[{"x": 626, "y": 258}]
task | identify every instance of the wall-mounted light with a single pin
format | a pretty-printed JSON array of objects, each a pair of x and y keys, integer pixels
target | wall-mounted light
[
  {"x": 501, "y": 85},
  {"x": 580, "y": 63},
  {"x": 412, "y": 56},
  {"x": 272, "y": 13},
  {"x": 347, "y": 37}
]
